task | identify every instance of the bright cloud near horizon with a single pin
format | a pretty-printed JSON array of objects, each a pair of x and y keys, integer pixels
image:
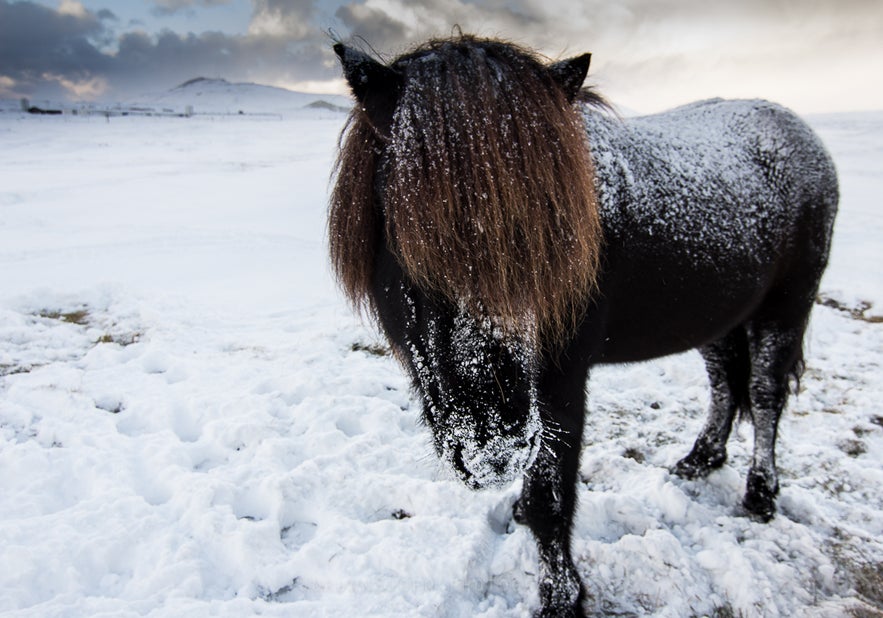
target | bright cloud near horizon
[{"x": 648, "y": 55}]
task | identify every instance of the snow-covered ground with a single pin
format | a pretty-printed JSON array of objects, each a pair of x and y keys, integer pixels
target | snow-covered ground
[{"x": 193, "y": 423}]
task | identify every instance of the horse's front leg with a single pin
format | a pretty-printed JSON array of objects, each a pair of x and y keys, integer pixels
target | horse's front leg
[{"x": 547, "y": 505}]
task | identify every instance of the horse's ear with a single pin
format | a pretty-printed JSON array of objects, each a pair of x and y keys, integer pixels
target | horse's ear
[
  {"x": 375, "y": 86},
  {"x": 571, "y": 73}
]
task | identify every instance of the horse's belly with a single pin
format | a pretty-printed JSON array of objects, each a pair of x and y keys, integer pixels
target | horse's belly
[{"x": 655, "y": 312}]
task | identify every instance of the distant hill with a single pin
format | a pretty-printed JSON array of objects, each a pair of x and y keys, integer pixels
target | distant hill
[{"x": 220, "y": 96}]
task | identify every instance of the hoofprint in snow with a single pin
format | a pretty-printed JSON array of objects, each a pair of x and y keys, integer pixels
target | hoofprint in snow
[{"x": 193, "y": 423}]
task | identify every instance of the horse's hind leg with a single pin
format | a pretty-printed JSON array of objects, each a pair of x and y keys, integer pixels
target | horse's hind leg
[
  {"x": 728, "y": 365},
  {"x": 776, "y": 358}
]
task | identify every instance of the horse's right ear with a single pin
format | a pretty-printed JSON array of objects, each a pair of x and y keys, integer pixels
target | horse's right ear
[
  {"x": 571, "y": 73},
  {"x": 375, "y": 86}
]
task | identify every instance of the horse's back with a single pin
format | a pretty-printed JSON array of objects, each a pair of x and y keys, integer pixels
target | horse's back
[
  {"x": 706, "y": 209},
  {"x": 753, "y": 162}
]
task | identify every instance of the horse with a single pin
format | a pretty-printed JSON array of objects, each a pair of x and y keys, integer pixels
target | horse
[{"x": 508, "y": 232}]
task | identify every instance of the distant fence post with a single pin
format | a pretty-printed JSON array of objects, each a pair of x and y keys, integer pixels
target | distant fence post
[{"x": 25, "y": 104}]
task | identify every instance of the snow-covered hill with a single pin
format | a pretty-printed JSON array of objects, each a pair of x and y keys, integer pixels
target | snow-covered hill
[
  {"x": 193, "y": 423},
  {"x": 201, "y": 96},
  {"x": 220, "y": 96}
]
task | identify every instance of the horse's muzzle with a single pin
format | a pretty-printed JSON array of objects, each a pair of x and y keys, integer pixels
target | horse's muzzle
[{"x": 496, "y": 463}]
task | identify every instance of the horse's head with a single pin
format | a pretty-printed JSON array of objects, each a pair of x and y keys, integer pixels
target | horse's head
[
  {"x": 464, "y": 217},
  {"x": 477, "y": 386}
]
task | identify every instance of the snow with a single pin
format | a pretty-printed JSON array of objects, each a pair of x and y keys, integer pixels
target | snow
[
  {"x": 208, "y": 95},
  {"x": 684, "y": 175},
  {"x": 192, "y": 421}
]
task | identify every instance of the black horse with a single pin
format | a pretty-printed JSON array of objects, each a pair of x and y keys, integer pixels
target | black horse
[{"x": 508, "y": 233}]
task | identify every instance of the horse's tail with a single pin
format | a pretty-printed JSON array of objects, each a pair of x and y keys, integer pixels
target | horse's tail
[
  {"x": 740, "y": 385},
  {"x": 741, "y": 376}
]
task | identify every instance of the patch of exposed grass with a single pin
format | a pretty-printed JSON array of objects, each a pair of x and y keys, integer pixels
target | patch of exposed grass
[
  {"x": 276, "y": 596},
  {"x": 863, "y": 611},
  {"x": 374, "y": 349},
  {"x": 11, "y": 370},
  {"x": 858, "y": 312},
  {"x": 868, "y": 581},
  {"x": 80, "y": 317},
  {"x": 862, "y": 571},
  {"x": 633, "y": 453},
  {"x": 721, "y": 611},
  {"x": 123, "y": 340},
  {"x": 83, "y": 317},
  {"x": 853, "y": 447}
]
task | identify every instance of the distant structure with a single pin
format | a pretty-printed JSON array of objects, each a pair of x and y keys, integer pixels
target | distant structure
[
  {"x": 33, "y": 109},
  {"x": 214, "y": 98}
]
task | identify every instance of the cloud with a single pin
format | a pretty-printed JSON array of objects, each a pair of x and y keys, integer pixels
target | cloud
[
  {"x": 35, "y": 41},
  {"x": 88, "y": 88},
  {"x": 647, "y": 54},
  {"x": 394, "y": 25},
  {"x": 653, "y": 54},
  {"x": 283, "y": 18},
  {"x": 74, "y": 51},
  {"x": 169, "y": 7}
]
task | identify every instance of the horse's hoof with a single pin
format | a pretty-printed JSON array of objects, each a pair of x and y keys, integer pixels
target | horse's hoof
[
  {"x": 698, "y": 465},
  {"x": 558, "y": 613},
  {"x": 760, "y": 497},
  {"x": 759, "y": 510},
  {"x": 573, "y": 611},
  {"x": 562, "y": 597}
]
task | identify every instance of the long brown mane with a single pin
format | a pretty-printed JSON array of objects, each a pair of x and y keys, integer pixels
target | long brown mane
[{"x": 486, "y": 195}]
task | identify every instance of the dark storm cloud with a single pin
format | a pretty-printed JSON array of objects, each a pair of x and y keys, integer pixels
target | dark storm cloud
[
  {"x": 45, "y": 52},
  {"x": 651, "y": 53},
  {"x": 373, "y": 25},
  {"x": 35, "y": 40},
  {"x": 211, "y": 54}
]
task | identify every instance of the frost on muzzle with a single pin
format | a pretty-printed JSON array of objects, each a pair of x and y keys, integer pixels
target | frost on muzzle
[{"x": 478, "y": 389}]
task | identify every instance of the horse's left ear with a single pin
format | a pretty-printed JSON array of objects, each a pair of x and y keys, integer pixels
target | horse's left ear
[
  {"x": 571, "y": 73},
  {"x": 375, "y": 86}
]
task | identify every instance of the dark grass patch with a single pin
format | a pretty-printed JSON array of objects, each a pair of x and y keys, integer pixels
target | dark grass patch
[
  {"x": 11, "y": 370},
  {"x": 852, "y": 447},
  {"x": 374, "y": 349},
  {"x": 722, "y": 611},
  {"x": 83, "y": 317},
  {"x": 123, "y": 340},
  {"x": 633, "y": 453},
  {"x": 80, "y": 317},
  {"x": 858, "y": 312},
  {"x": 868, "y": 581},
  {"x": 861, "y": 571},
  {"x": 278, "y": 596},
  {"x": 864, "y": 611}
]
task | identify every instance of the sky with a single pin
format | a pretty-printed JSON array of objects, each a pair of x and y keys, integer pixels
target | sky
[{"x": 815, "y": 56}]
